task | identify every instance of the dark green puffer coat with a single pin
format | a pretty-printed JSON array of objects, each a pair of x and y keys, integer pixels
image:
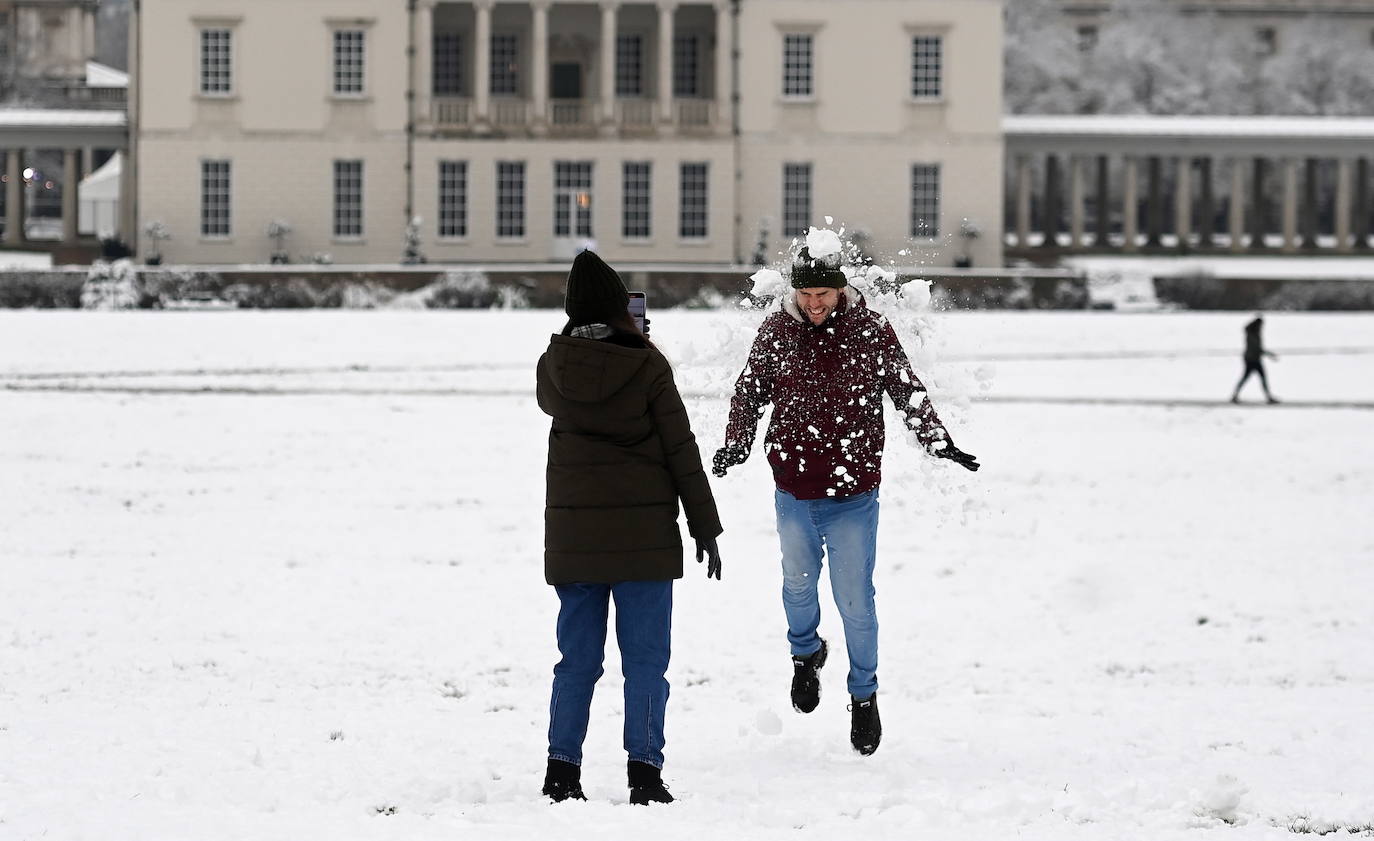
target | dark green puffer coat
[{"x": 621, "y": 456}]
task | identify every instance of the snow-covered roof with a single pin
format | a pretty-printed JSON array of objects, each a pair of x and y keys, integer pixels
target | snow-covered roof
[
  {"x": 63, "y": 118},
  {"x": 104, "y": 76},
  {"x": 1102, "y": 125},
  {"x": 57, "y": 127},
  {"x": 1146, "y": 134}
]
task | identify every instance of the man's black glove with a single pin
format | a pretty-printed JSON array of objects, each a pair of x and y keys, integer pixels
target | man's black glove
[
  {"x": 726, "y": 458},
  {"x": 712, "y": 552},
  {"x": 954, "y": 454}
]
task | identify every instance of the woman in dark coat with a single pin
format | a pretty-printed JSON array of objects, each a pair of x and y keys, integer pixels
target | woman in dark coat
[{"x": 621, "y": 458}]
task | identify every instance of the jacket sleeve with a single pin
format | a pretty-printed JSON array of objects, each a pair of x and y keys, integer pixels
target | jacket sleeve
[
  {"x": 684, "y": 459},
  {"x": 753, "y": 391},
  {"x": 908, "y": 393}
]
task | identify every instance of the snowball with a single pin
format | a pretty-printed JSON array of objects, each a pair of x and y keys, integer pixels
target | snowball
[
  {"x": 768, "y": 723},
  {"x": 768, "y": 283},
  {"x": 1222, "y": 798},
  {"x": 916, "y": 293},
  {"x": 829, "y": 220},
  {"x": 822, "y": 242}
]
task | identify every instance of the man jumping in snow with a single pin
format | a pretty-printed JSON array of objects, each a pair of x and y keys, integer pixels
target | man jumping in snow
[{"x": 824, "y": 361}]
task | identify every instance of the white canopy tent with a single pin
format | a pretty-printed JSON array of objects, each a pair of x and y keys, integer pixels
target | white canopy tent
[{"x": 99, "y": 198}]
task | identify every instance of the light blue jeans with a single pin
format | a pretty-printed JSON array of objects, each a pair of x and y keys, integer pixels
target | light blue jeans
[{"x": 845, "y": 529}]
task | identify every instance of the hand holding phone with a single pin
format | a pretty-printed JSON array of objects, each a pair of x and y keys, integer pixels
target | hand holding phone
[{"x": 639, "y": 307}]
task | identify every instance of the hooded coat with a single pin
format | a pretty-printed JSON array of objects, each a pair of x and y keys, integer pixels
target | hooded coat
[
  {"x": 621, "y": 457},
  {"x": 826, "y": 383}
]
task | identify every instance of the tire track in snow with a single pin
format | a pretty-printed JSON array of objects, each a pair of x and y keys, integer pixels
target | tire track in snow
[{"x": 332, "y": 391}]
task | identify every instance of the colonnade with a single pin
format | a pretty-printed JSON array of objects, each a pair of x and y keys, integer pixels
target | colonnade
[
  {"x": 14, "y": 189},
  {"x": 537, "y": 116},
  {"x": 1134, "y": 216}
]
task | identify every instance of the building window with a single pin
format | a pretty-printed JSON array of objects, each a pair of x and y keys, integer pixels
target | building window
[
  {"x": 453, "y": 199},
  {"x": 927, "y": 67},
  {"x": 216, "y": 62},
  {"x": 686, "y": 66},
  {"x": 692, "y": 201},
  {"x": 448, "y": 64},
  {"x": 214, "y": 199},
  {"x": 1266, "y": 40},
  {"x": 349, "y": 46},
  {"x": 510, "y": 199},
  {"x": 572, "y": 198},
  {"x": 348, "y": 199},
  {"x": 796, "y": 199},
  {"x": 505, "y": 65},
  {"x": 925, "y": 201},
  {"x": 796, "y": 65},
  {"x": 629, "y": 65},
  {"x": 636, "y": 200}
]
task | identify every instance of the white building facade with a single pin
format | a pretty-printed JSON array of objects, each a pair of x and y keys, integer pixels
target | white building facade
[{"x": 663, "y": 132}]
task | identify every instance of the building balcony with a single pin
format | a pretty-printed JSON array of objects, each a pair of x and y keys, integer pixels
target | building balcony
[{"x": 506, "y": 116}]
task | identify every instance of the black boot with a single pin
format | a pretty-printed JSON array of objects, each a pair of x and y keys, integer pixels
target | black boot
[
  {"x": 646, "y": 784},
  {"x": 806, "y": 679},
  {"x": 865, "y": 729},
  {"x": 563, "y": 781}
]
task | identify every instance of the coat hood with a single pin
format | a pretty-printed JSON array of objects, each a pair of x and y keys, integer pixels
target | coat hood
[{"x": 589, "y": 371}]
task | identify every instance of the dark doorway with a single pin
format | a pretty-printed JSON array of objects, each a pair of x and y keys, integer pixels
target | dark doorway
[{"x": 565, "y": 80}]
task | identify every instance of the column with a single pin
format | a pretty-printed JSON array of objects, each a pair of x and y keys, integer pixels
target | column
[
  {"x": 1362, "y": 210},
  {"x": 481, "y": 76},
  {"x": 1154, "y": 224},
  {"x": 1290, "y": 204},
  {"x": 1237, "y": 207},
  {"x": 423, "y": 83},
  {"x": 1207, "y": 214},
  {"x": 1023, "y": 201},
  {"x": 1259, "y": 215},
  {"x": 665, "y": 61},
  {"x": 14, "y": 196},
  {"x": 608, "y": 17},
  {"x": 539, "y": 66},
  {"x": 1050, "y": 208},
  {"x": 1345, "y": 196},
  {"x": 1309, "y": 204},
  {"x": 1130, "y": 210},
  {"x": 71, "y": 182},
  {"x": 89, "y": 34},
  {"x": 76, "y": 42},
  {"x": 1103, "y": 222},
  {"x": 1183, "y": 203},
  {"x": 725, "y": 49},
  {"x": 1075, "y": 202}
]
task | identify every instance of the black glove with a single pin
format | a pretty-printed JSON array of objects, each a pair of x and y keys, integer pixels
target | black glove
[
  {"x": 712, "y": 552},
  {"x": 726, "y": 458},
  {"x": 955, "y": 455}
]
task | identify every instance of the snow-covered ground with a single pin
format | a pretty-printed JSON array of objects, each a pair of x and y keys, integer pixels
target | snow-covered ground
[{"x": 273, "y": 575}]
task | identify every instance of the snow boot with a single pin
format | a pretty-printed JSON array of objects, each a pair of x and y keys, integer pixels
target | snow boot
[
  {"x": 865, "y": 729},
  {"x": 563, "y": 781},
  {"x": 646, "y": 784},
  {"x": 806, "y": 679}
]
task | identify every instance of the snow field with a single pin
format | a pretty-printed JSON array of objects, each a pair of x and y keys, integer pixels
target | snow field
[{"x": 229, "y": 614}]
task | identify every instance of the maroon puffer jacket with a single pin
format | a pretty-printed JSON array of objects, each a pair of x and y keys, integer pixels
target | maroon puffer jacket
[{"x": 826, "y": 385}]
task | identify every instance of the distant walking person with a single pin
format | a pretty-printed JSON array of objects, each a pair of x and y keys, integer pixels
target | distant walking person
[
  {"x": 621, "y": 457},
  {"x": 1254, "y": 359}
]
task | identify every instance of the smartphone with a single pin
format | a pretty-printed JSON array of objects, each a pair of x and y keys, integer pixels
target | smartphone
[{"x": 639, "y": 306}]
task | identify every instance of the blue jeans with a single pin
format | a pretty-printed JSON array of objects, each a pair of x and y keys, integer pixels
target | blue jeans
[
  {"x": 643, "y": 625},
  {"x": 846, "y": 530}
]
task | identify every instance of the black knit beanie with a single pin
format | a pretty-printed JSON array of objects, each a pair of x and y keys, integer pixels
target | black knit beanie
[
  {"x": 809, "y": 272},
  {"x": 595, "y": 291}
]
